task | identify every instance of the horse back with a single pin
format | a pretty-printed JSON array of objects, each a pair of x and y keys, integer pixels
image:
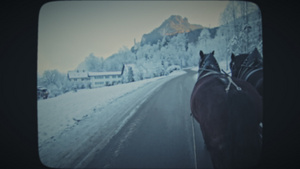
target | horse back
[{"x": 210, "y": 91}]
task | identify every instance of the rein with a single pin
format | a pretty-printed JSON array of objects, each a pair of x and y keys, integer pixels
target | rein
[
  {"x": 212, "y": 72},
  {"x": 252, "y": 72},
  {"x": 231, "y": 82}
]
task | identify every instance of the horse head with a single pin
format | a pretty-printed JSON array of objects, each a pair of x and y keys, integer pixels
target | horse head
[
  {"x": 245, "y": 61},
  {"x": 236, "y": 63},
  {"x": 208, "y": 62}
]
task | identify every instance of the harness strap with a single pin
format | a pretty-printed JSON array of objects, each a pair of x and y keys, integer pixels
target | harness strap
[
  {"x": 225, "y": 72},
  {"x": 252, "y": 72},
  {"x": 207, "y": 74},
  {"x": 242, "y": 73},
  {"x": 244, "y": 69},
  {"x": 209, "y": 70},
  {"x": 212, "y": 72},
  {"x": 231, "y": 82}
]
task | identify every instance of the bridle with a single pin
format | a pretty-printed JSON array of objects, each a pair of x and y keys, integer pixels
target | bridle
[{"x": 212, "y": 72}]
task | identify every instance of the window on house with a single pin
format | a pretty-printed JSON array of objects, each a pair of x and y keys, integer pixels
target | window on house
[{"x": 99, "y": 83}]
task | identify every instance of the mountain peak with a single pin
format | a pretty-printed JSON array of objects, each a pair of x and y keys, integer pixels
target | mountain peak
[
  {"x": 173, "y": 25},
  {"x": 176, "y": 18},
  {"x": 176, "y": 24}
]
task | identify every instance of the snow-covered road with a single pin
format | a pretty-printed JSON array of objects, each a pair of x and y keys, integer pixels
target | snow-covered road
[
  {"x": 83, "y": 122},
  {"x": 162, "y": 134}
]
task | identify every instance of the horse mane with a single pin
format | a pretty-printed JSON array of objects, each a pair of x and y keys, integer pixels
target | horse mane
[{"x": 215, "y": 62}]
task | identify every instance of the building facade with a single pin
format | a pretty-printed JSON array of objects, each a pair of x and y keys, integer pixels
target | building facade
[
  {"x": 99, "y": 79},
  {"x": 95, "y": 79}
]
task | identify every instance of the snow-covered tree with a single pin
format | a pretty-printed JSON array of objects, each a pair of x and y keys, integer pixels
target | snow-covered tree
[
  {"x": 126, "y": 55},
  {"x": 175, "y": 52},
  {"x": 203, "y": 39},
  {"x": 116, "y": 61},
  {"x": 130, "y": 75},
  {"x": 56, "y": 82},
  {"x": 52, "y": 77},
  {"x": 92, "y": 64},
  {"x": 219, "y": 46},
  {"x": 192, "y": 55},
  {"x": 240, "y": 28}
]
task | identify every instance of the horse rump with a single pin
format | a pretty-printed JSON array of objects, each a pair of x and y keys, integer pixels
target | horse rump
[{"x": 241, "y": 145}]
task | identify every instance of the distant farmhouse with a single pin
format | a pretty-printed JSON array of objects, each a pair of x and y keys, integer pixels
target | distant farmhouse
[{"x": 98, "y": 79}]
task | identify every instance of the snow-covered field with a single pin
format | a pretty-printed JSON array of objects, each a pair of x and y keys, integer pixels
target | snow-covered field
[
  {"x": 58, "y": 113},
  {"x": 72, "y": 121}
]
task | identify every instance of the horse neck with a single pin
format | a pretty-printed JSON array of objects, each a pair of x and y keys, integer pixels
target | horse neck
[
  {"x": 207, "y": 71},
  {"x": 209, "y": 66}
]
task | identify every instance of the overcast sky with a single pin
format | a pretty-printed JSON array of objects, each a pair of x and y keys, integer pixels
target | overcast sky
[{"x": 70, "y": 30}]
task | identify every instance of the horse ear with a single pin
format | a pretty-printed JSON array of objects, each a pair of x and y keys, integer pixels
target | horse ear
[
  {"x": 232, "y": 56},
  {"x": 201, "y": 54},
  {"x": 213, "y": 52},
  {"x": 255, "y": 49},
  {"x": 255, "y": 54}
]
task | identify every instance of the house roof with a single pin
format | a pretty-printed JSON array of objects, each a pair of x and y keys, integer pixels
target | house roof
[
  {"x": 84, "y": 74},
  {"x": 104, "y": 73},
  {"x": 78, "y": 74}
]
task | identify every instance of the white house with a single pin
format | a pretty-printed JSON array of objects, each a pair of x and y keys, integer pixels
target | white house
[
  {"x": 78, "y": 75},
  {"x": 95, "y": 79},
  {"x": 99, "y": 79}
]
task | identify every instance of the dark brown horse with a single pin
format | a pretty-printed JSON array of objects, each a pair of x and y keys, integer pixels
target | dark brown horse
[
  {"x": 229, "y": 111},
  {"x": 248, "y": 67}
]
